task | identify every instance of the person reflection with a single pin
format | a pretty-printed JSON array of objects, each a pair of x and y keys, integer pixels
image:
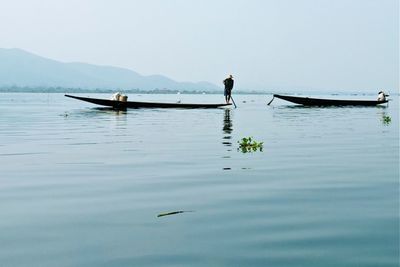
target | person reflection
[
  {"x": 227, "y": 136},
  {"x": 227, "y": 128}
]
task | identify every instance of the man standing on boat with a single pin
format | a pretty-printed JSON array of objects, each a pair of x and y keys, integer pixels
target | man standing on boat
[{"x": 228, "y": 82}]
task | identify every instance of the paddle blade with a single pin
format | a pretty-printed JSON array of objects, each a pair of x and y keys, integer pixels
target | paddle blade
[
  {"x": 271, "y": 101},
  {"x": 233, "y": 101}
]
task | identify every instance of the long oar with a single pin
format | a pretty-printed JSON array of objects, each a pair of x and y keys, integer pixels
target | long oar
[
  {"x": 271, "y": 100},
  {"x": 233, "y": 101}
]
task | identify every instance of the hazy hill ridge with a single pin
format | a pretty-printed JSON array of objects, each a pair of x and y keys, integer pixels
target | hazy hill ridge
[{"x": 23, "y": 69}]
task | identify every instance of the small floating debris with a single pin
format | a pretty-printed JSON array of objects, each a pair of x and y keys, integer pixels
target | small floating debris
[
  {"x": 386, "y": 120},
  {"x": 173, "y": 213},
  {"x": 247, "y": 144}
]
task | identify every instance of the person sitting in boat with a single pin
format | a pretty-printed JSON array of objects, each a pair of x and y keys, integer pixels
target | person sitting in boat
[
  {"x": 382, "y": 96},
  {"x": 228, "y": 82}
]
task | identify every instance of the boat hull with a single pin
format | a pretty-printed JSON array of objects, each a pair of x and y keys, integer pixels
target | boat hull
[
  {"x": 306, "y": 101},
  {"x": 133, "y": 104}
]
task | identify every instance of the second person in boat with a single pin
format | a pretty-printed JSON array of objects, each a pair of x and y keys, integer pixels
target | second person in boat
[{"x": 382, "y": 96}]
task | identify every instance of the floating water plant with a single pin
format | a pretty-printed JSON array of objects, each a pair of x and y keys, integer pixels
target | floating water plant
[
  {"x": 386, "y": 120},
  {"x": 249, "y": 145}
]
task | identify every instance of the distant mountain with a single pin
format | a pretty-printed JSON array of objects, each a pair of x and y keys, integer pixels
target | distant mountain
[{"x": 23, "y": 69}]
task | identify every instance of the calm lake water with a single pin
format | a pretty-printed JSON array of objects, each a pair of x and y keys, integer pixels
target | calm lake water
[{"x": 82, "y": 186}]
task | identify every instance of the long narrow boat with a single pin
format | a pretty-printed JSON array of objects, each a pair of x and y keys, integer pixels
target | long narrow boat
[
  {"x": 133, "y": 104},
  {"x": 307, "y": 101}
]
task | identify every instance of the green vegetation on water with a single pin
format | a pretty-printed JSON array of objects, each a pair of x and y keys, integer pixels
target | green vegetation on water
[
  {"x": 386, "y": 120},
  {"x": 249, "y": 145}
]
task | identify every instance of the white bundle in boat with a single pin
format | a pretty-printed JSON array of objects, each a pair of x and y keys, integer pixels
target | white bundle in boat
[{"x": 116, "y": 96}]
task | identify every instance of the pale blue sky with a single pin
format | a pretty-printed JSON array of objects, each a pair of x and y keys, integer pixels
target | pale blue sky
[{"x": 316, "y": 44}]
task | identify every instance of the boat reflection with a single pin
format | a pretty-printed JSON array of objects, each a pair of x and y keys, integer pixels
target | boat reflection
[
  {"x": 100, "y": 111},
  {"x": 113, "y": 111},
  {"x": 117, "y": 118}
]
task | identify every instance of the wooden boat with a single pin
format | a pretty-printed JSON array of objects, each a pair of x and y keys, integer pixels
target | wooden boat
[
  {"x": 133, "y": 104},
  {"x": 307, "y": 101}
]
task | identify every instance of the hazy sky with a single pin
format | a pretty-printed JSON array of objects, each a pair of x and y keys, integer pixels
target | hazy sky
[{"x": 327, "y": 44}]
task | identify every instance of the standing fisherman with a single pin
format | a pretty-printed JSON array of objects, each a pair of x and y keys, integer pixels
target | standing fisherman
[{"x": 228, "y": 82}]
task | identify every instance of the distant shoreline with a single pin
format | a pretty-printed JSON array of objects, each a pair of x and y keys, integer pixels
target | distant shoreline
[{"x": 17, "y": 89}]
